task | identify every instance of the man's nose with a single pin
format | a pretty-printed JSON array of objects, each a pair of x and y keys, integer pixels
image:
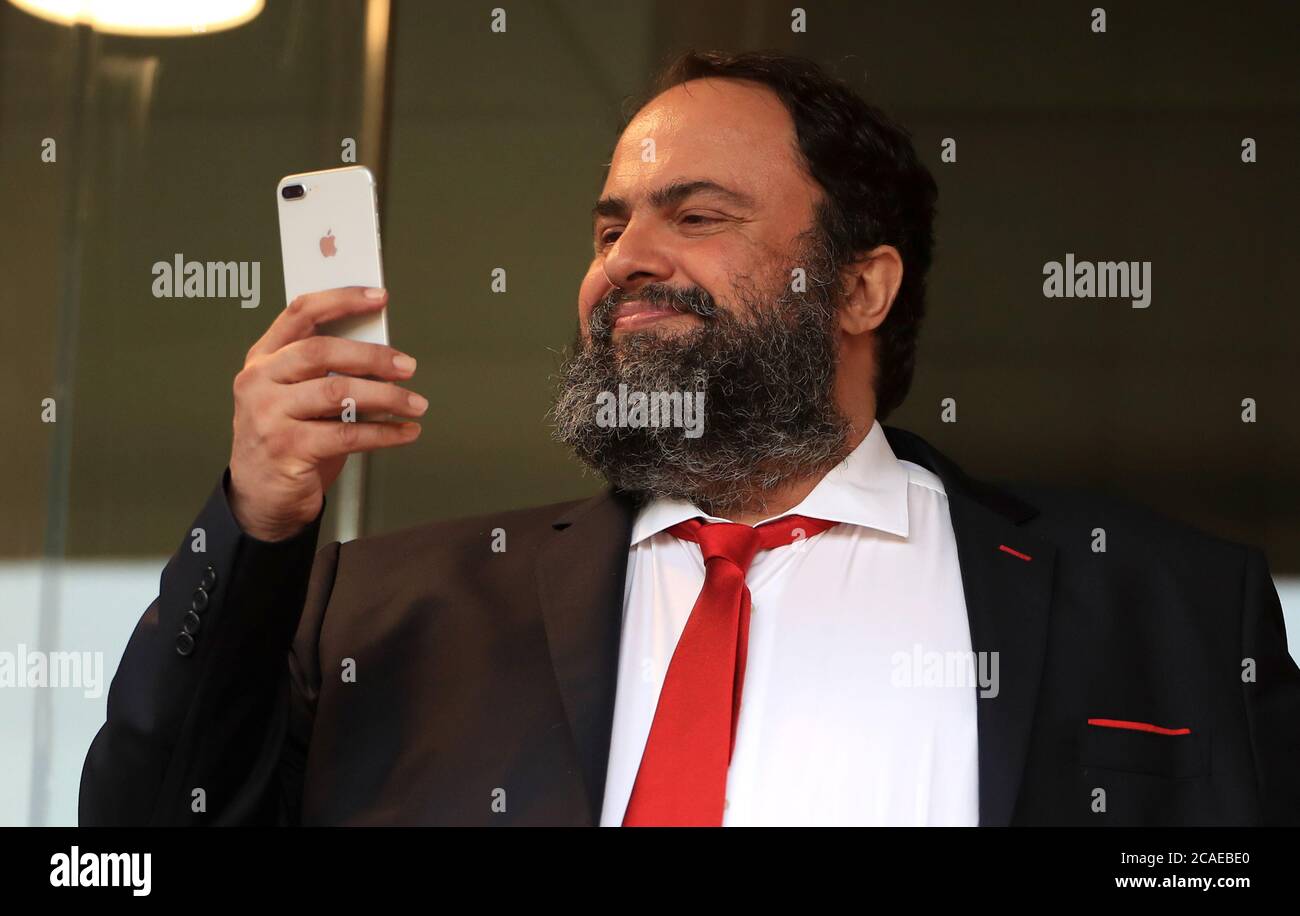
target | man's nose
[{"x": 636, "y": 258}]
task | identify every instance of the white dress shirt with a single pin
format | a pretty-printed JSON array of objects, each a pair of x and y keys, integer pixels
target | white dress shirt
[{"x": 845, "y": 718}]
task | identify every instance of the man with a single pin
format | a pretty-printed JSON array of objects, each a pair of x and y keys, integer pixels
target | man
[{"x": 785, "y": 614}]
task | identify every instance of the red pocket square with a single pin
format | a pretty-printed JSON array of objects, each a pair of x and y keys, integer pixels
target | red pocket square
[{"x": 1139, "y": 726}]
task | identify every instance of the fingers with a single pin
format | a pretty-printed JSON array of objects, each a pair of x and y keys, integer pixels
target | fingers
[
  {"x": 322, "y": 439},
  {"x": 325, "y": 397},
  {"x": 304, "y": 313},
  {"x": 296, "y": 384},
  {"x": 314, "y": 357}
]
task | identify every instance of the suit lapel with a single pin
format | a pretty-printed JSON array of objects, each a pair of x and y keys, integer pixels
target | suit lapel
[
  {"x": 580, "y": 578},
  {"x": 1007, "y": 604}
]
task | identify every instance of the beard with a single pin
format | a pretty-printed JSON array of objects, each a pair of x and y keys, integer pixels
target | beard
[{"x": 765, "y": 368}]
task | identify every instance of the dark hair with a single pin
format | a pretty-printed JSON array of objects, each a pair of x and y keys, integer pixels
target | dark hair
[{"x": 877, "y": 191}]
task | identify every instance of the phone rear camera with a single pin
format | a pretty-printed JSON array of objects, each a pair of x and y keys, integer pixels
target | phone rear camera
[{"x": 292, "y": 191}]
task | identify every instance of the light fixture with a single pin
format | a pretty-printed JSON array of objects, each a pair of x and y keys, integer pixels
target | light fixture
[{"x": 146, "y": 18}]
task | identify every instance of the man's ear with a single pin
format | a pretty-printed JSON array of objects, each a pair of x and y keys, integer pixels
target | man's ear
[{"x": 871, "y": 282}]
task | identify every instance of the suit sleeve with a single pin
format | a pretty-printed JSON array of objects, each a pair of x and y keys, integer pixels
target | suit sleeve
[
  {"x": 1273, "y": 699},
  {"x": 210, "y": 710}
]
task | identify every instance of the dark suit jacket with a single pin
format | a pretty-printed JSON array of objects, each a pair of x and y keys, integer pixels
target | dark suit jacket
[{"x": 419, "y": 677}]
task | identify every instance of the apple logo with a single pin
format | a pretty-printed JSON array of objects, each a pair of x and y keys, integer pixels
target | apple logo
[{"x": 327, "y": 244}]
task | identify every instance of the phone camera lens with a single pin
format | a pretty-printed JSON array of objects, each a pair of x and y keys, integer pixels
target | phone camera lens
[{"x": 292, "y": 191}]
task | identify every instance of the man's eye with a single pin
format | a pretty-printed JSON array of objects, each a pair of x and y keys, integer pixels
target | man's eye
[
  {"x": 697, "y": 219},
  {"x": 609, "y": 236}
]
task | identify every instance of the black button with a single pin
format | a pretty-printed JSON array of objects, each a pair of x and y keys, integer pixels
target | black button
[
  {"x": 209, "y": 579},
  {"x": 199, "y": 601},
  {"x": 192, "y": 623},
  {"x": 184, "y": 644}
]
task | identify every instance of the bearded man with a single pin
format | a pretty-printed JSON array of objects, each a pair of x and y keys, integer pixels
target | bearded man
[{"x": 788, "y": 614}]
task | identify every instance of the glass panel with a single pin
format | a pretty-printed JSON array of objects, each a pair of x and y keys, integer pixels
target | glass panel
[{"x": 162, "y": 148}]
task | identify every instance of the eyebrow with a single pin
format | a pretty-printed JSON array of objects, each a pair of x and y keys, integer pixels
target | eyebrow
[{"x": 670, "y": 194}]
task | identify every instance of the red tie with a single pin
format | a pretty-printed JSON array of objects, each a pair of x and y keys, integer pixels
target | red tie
[{"x": 682, "y": 781}]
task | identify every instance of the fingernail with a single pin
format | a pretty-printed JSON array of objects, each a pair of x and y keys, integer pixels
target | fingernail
[
  {"x": 404, "y": 363},
  {"x": 375, "y": 292},
  {"x": 417, "y": 402}
]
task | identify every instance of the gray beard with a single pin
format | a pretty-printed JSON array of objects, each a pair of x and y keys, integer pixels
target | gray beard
[{"x": 767, "y": 372}]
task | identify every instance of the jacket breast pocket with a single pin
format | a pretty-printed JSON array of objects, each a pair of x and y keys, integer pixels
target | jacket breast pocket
[{"x": 1129, "y": 750}]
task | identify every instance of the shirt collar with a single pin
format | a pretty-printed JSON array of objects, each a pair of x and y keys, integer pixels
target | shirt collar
[{"x": 868, "y": 488}]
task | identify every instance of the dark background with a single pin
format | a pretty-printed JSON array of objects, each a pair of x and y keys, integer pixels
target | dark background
[{"x": 1119, "y": 146}]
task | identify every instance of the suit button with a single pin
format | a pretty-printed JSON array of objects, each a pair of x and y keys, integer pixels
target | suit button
[
  {"x": 184, "y": 643},
  {"x": 209, "y": 579},
  {"x": 199, "y": 601},
  {"x": 192, "y": 623}
]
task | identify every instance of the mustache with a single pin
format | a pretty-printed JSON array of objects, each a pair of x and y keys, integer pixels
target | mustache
[{"x": 689, "y": 300}]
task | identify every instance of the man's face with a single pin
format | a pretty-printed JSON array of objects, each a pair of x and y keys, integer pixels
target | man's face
[
  {"x": 704, "y": 187},
  {"x": 703, "y": 240}
]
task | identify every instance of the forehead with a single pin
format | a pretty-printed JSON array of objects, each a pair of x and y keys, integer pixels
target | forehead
[{"x": 732, "y": 131}]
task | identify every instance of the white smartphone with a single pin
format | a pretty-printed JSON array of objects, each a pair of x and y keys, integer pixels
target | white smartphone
[{"x": 329, "y": 237}]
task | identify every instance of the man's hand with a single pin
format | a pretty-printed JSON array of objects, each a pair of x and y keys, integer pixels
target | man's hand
[{"x": 290, "y": 442}]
